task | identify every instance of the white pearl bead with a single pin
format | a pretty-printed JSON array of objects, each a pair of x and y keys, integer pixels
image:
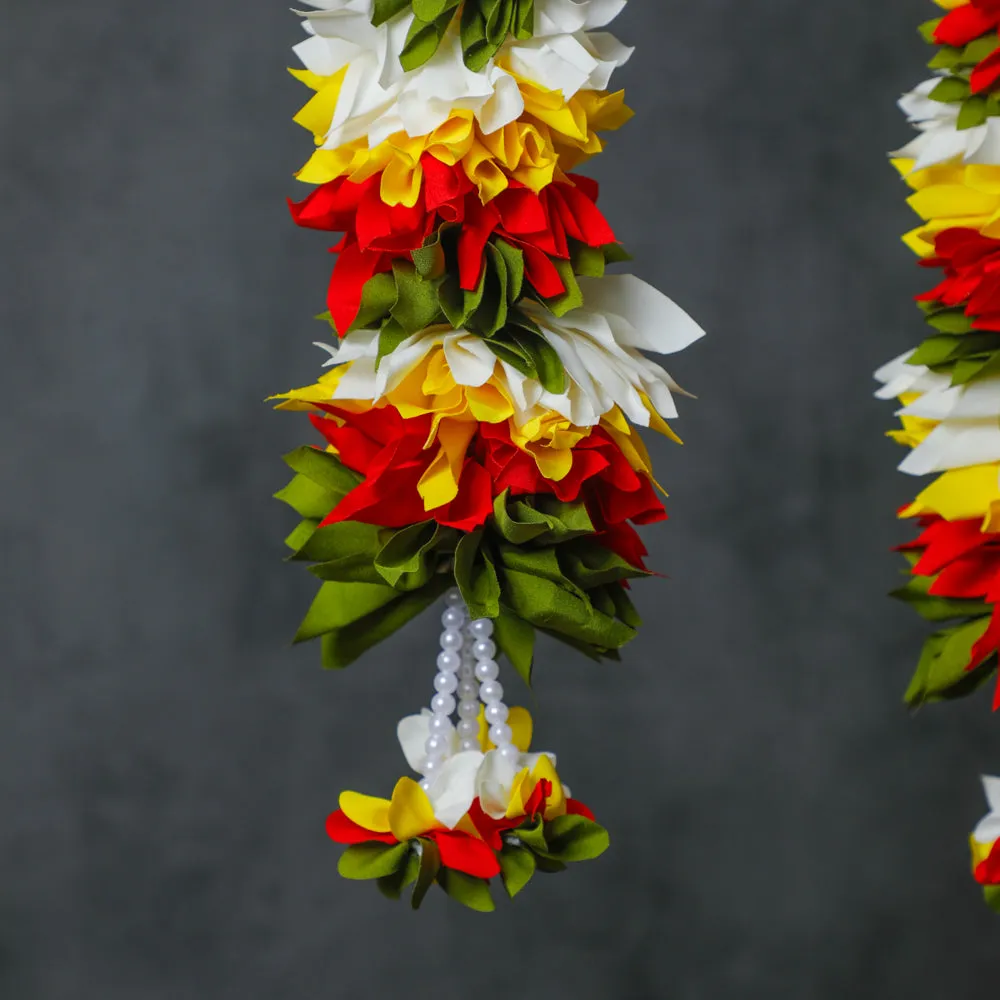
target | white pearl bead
[
  {"x": 454, "y": 598},
  {"x": 496, "y": 713},
  {"x": 468, "y": 709},
  {"x": 484, "y": 649},
  {"x": 453, "y": 618},
  {"x": 481, "y": 628},
  {"x": 449, "y": 661},
  {"x": 469, "y": 745},
  {"x": 443, "y": 704},
  {"x": 491, "y": 691},
  {"x": 467, "y": 691},
  {"x": 440, "y": 724},
  {"x": 511, "y": 753},
  {"x": 452, "y": 639},
  {"x": 426, "y": 784},
  {"x": 487, "y": 670},
  {"x": 433, "y": 765},
  {"x": 501, "y": 735},
  {"x": 468, "y": 728},
  {"x": 436, "y": 745},
  {"x": 445, "y": 683}
]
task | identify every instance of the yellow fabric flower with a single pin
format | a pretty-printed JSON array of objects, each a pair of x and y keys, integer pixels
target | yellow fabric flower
[
  {"x": 948, "y": 196},
  {"x": 553, "y": 136}
]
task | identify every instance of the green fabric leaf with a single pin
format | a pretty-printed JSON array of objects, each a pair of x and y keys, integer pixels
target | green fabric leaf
[
  {"x": 991, "y": 893},
  {"x": 590, "y": 564},
  {"x": 517, "y": 867},
  {"x": 575, "y": 838},
  {"x": 324, "y": 469},
  {"x": 301, "y": 536},
  {"x": 615, "y": 253},
  {"x": 943, "y": 668},
  {"x": 428, "y": 867},
  {"x": 342, "y": 646},
  {"x": 979, "y": 48},
  {"x": 533, "y": 835},
  {"x": 544, "y": 359},
  {"x": 431, "y": 10},
  {"x": 473, "y": 893},
  {"x": 951, "y": 90},
  {"x": 422, "y": 41},
  {"x": 378, "y": 296},
  {"x": 916, "y": 593},
  {"x": 968, "y": 369},
  {"x": 974, "y": 112},
  {"x": 362, "y": 862},
  {"x": 338, "y": 605},
  {"x": 392, "y": 886},
  {"x": 572, "y": 298},
  {"x": 476, "y": 576},
  {"x": 408, "y": 561},
  {"x": 521, "y": 526},
  {"x": 308, "y": 499},
  {"x": 928, "y": 28},
  {"x": 951, "y": 321},
  {"x": 515, "y": 638},
  {"x": 946, "y": 347},
  {"x": 416, "y": 305},
  {"x": 514, "y": 261},
  {"x": 547, "y": 605},
  {"x": 947, "y": 58},
  {"x": 624, "y": 608},
  {"x": 390, "y": 337},
  {"x": 588, "y": 261},
  {"x": 549, "y": 865},
  {"x": 385, "y": 9},
  {"x": 339, "y": 541}
]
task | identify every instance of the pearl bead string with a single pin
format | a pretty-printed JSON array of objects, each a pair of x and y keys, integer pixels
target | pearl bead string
[{"x": 467, "y": 676}]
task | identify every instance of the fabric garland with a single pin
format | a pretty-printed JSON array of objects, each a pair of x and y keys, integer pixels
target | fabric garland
[
  {"x": 949, "y": 386},
  {"x": 475, "y": 435}
]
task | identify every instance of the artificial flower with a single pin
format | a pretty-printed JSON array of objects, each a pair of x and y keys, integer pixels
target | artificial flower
[
  {"x": 407, "y": 483},
  {"x": 940, "y": 138},
  {"x": 964, "y": 24},
  {"x": 950, "y": 196},
  {"x": 599, "y": 346},
  {"x": 364, "y": 92},
  {"x": 985, "y": 840},
  {"x": 971, "y": 263},
  {"x": 375, "y": 234}
]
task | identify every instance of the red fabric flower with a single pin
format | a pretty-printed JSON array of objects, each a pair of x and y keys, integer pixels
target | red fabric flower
[
  {"x": 459, "y": 851},
  {"x": 988, "y": 870},
  {"x": 376, "y": 234},
  {"x": 965, "y": 24},
  {"x": 966, "y": 563},
  {"x": 492, "y": 830},
  {"x": 971, "y": 264},
  {"x": 390, "y": 453}
]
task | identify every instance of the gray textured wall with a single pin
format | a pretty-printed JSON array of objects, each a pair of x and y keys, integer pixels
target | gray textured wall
[{"x": 781, "y": 827}]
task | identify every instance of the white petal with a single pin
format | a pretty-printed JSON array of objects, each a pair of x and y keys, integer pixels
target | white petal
[
  {"x": 453, "y": 791},
  {"x": 494, "y": 783},
  {"x": 955, "y": 445},
  {"x": 412, "y": 733}
]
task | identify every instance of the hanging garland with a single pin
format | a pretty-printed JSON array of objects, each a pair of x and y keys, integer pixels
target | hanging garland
[
  {"x": 949, "y": 386},
  {"x": 476, "y": 430}
]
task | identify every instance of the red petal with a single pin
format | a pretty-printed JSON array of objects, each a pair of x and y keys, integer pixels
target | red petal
[
  {"x": 345, "y": 831},
  {"x": 575, "y": 808},
  {"x": 465, "y": 853}
]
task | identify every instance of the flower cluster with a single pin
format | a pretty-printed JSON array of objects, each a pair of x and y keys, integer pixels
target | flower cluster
[
  {"x": 484, "y": 815},
  {"x": 477, "y": 422},
  {"x": 949, "y": 386}
]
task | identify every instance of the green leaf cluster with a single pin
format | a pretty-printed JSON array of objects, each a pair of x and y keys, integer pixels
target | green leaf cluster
[
  {"x": 426, "y": 292},
  {"x": 484, "y": 25},
  {"x": 535, "y": 565},
  {"x": 956, "y": 349},
  {"x": 958, "y": 63},
  {"x": 535, "y": 847},
  {"x": 991, "y": 893},
  {"x": 943, "y": 672}
]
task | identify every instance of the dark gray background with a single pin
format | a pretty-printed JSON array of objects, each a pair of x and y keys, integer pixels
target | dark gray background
[{"x": 782, "y": 827}]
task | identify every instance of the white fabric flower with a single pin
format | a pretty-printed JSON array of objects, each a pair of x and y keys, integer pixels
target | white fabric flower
[
  {"x": 378, "y": 98},
  {"x": 968, "y": 431},
  {"x": 465, "y": 776},
  {"x": 940, "y": 138},
  {"x": 988, "y": 830},
  {"x": 599, "y": 345}
]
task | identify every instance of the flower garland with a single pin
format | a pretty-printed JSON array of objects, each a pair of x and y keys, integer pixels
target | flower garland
[
  {"x": 476, "y": 428},
  {"x": 949, "y": 387}
]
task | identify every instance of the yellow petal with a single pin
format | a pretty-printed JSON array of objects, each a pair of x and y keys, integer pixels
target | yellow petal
[
  {"x": 366, "y": 811},
  {"x": 522, "y": 727},
  {"x": 317, "y": 115},
  {"x": 960, "y": 494},
  {"x": 980, "y": 852},
  {"x": 521, "y": 790},
  {"x": 556, "y": 803},
  {"x": 410, "y": 813}
]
